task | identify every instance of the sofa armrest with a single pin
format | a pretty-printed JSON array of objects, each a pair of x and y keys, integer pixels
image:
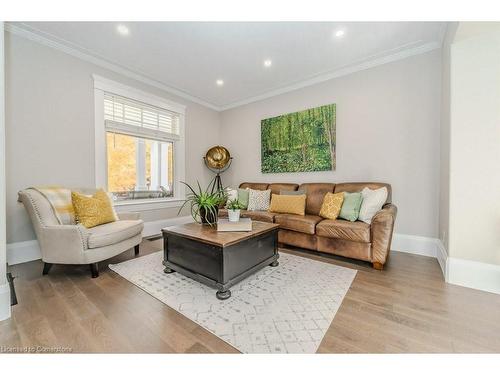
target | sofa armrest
[
  {"x": 382, "y": 227},
  {"x": 63, "y": 244},
  {"x": 129, "y": 215}
]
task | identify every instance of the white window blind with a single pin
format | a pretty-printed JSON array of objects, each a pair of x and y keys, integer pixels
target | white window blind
[{"x": 132, "y": 117}]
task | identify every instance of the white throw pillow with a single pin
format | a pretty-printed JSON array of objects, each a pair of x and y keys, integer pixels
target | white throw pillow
[
  {"x": 373, "y": 200},
  {"x": 232, "y": 194},
  {"x": 258, "y": 200}
]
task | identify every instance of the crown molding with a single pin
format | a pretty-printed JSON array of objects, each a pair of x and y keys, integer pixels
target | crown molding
[
  {"x": 424, "y": 48},
  {"x": 49, "y": 42}
]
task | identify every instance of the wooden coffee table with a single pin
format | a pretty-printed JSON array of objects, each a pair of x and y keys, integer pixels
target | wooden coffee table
[{"x": 219, "y": 259}]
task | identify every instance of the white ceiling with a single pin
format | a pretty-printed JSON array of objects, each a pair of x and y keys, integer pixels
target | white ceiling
[{"x": 191, "y": 56}]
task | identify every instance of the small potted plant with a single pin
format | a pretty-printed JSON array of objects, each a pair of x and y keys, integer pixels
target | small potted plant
[
  {"x": 204, "y": 204},
  {"x": 233, "y": 210}
]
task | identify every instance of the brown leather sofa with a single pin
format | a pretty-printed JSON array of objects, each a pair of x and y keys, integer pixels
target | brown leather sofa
[{"x": 356, "y": 240}]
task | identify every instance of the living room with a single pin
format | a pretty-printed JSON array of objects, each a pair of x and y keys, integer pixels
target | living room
[{"x": 250, "y": 187}]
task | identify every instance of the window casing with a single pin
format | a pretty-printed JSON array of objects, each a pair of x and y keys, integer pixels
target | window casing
[{"x": 139, "y": 146}]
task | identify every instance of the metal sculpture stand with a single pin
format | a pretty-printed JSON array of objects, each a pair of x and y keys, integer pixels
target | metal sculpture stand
[{"x": 216, "y": 184}]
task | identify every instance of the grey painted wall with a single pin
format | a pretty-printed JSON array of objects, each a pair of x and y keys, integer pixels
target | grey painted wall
[
  {"x": 50, "y": 126},
  {"x": 388, "y": 121}
]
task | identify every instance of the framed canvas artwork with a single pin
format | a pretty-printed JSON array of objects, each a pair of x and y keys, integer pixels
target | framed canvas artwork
[{"x": 299, "y": 142}]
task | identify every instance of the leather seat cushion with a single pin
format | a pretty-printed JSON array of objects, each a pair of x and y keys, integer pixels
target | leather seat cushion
[
  {"x": 298, "y": 223},
  {"x": 112, "y": 233},
  {"x": 254, "y": 215},
  {"x": 343, "y": 229},
  {"x": 259, "y": 215}
]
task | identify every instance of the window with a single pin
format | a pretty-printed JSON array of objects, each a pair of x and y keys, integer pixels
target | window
[
  {"x": 139, "y": 168},
  {"x": 139, "y": 145}
]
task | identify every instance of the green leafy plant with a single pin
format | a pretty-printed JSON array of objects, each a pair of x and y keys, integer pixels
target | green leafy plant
[
  {"x": 204, "y": 204},
  {"x": 234, "y": 205}
]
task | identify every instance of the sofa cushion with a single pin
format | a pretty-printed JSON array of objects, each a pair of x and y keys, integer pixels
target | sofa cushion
[
  {"x": 259, "y": 215},
  {"x": 243, "y": 196},
  {"x": 259, "y": 200},
  {"x": 292, "y": 192},
  {"x": 111, "y": 233},
  {"x": 278, "y": 187},
  {"x": 298, "y": 223},
  {"x": 315, "y": 193},
  {"x": 288, "y": 204},
  {"x": 343, "y": 229},
  {"x": 356, "y": 187},
  {"x": 373, "y": 200},
  {"x": 254, "y": 215},
  {"x": 351, "y": 206},
  {"x": 332, "y": 203},
  {"x": 254, "y": 185}
]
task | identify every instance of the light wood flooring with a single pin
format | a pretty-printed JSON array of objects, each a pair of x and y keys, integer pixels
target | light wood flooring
[{"x": 405, "y": 308}]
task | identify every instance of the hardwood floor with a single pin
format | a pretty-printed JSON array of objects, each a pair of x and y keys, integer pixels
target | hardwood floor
[{"x": 405, "y": 308}]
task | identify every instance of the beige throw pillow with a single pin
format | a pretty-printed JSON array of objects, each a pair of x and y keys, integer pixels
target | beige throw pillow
[{"x": 373, "y": 200}]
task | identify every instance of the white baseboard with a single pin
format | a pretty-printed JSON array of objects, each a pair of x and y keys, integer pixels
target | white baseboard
[
  {"x": 22, "y": 252},
  {"x": 4, "y": 301},
  {"x": 153, "y": 228},
  {"x": 27, "y": 251},
  {"x": 418, "y": 245},
  {"x": 476, "y": 275}
]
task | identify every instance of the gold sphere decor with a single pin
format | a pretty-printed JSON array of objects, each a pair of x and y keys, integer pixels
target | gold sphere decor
[{"x": 217, "y": 159}]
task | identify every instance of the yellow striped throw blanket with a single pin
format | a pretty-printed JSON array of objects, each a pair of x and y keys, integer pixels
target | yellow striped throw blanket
[{"x": 60, "y": 200}]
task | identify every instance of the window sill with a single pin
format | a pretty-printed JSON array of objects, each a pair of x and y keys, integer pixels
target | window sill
[{"x": 147, "y": 204}]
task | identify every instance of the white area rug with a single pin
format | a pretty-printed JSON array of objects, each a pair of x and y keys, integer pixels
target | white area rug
[{"x": 285, "y": 309}]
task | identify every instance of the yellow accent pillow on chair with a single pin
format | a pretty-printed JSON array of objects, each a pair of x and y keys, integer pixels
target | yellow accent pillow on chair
[
  {"x": 288, "y": 204},
  {"x": 93, "y": 211},
  {"x": 332, "y": 203}
]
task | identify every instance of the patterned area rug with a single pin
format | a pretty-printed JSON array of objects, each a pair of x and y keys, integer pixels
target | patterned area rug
[{"x": 285, "y": 309}]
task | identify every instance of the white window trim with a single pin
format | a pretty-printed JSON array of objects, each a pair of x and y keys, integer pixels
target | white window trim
[{"x": 102, "y": 85}]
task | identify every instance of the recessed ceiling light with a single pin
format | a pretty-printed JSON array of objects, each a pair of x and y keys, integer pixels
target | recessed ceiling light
[
  {"x": 122, "y": 30},
  {"x": 339, "y": 33},
  {"x": 219, "y": 82},
  {"x": 268, "y": 63}
]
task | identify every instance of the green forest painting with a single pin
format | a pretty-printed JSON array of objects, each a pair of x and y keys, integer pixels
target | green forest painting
[{"x": 299, "y": 142}]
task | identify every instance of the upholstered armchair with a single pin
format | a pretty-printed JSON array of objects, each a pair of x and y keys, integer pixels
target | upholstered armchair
[{"x": 75, "y": 244}]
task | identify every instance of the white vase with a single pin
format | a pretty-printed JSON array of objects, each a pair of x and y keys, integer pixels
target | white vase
[{"x": 234, "y": 215}]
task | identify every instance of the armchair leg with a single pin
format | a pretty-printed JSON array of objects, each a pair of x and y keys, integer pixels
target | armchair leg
[
  {"x": 94, "y": 269},
  {"x": 136, "y": 249},
  {"x": 46, "y": 268}
]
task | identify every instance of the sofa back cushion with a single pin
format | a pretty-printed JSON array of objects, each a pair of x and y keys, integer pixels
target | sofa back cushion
[
  {"x": 277, "y": 187},
  {"x": 254, "y": 185},
  {"x": 357, "y": 187},
  {"x": 315, "y": 193}
]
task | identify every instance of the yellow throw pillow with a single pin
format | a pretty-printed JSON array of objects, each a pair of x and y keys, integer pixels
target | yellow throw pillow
[
  {"x": 332, "y": 203},
  {"x": 288, "y": 204},
  {"x": 94, "y": 210}
]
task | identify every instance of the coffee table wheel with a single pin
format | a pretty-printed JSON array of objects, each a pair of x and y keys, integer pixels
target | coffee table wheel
[
  {"x": 223, "y": 295},
  {"x": 275, "y": 264},
  {"x": 168, "y": 270}
]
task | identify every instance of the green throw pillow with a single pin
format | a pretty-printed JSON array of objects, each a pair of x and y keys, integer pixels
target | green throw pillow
[
  {"x": 351, "y": 206},
  {"x": 243, "y": 195}
]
